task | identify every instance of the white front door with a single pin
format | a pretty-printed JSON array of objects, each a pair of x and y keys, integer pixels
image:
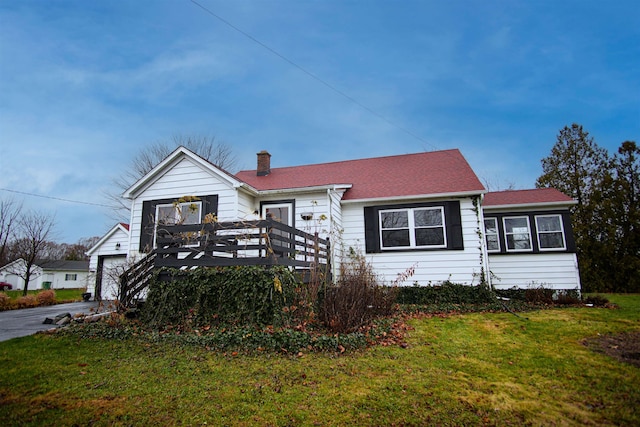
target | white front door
[{"x": 281, "y": 212}]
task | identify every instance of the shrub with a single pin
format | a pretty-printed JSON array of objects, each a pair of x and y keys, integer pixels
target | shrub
[
  {"x": 538, "y": 295},
  {"x": 596, "y": 300},
  {"x": 446, "y": 293},
  {"x": 47, "y": 297},
  {"x": 5, "y": 301},
  {"x": 356, "y": 299},
  {"x": 248, "y": 295},
  {"x": 27, "y": 301},
  {"x": 568, "y": 297}
]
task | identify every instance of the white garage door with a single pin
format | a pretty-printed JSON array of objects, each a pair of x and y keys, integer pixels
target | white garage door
[{"x": 111, "y": 269}]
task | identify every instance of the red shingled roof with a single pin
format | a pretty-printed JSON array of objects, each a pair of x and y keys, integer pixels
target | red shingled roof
[
  {"x": 429, "y": 173},
  {"x": 522, "y": 197}
]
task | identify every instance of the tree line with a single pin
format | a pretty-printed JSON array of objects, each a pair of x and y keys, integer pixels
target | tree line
[{"x": 606, "y": 218}]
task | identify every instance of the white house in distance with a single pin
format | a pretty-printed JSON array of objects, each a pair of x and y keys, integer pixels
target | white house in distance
[
  {"x": 47, "y": 274},
  {"x": 426, "y": 212}
]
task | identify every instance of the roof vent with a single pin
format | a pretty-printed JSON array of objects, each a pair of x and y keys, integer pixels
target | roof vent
[{"x": 264, "y": 163}]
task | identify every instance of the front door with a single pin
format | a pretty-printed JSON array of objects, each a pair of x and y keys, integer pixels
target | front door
[{"x": 281, "y": 212}]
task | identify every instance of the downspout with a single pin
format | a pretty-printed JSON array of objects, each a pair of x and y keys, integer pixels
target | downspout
[
  {"x": 329, "y": 236},
  {"x": 484, "y": 254}
]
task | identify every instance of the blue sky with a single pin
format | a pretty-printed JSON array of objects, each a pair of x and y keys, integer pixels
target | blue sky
[{"x": 84, "y": 85}]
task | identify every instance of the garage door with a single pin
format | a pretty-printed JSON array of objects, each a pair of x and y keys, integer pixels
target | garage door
[{"x": 111, "y": 270}]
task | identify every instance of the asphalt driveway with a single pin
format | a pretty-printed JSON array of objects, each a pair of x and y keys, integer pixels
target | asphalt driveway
[{"x": 28, "y": 321}]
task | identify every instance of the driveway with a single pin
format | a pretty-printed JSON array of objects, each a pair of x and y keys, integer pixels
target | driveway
[{"x": 28, "y": 321}]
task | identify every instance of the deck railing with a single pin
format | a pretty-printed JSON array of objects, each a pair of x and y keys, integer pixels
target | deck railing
[
  {"x": 259, "y": 242},
  {"x": 237, "y": 243}
]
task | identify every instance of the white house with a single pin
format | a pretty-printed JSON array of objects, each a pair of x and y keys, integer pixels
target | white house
[
  {"x": 47, "y": 274},
  {"x": 422, "y": 212}
]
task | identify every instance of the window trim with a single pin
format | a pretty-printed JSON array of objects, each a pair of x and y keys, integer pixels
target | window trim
[
  {"x": 178, "y": 209},
  {"x": 71, "y": 277},
  {"x": 412, "y": 228},
  {"x": 561, "y": 231},
  {"x": 497, "y": 234},
  {"x": 529, "y": 232}
]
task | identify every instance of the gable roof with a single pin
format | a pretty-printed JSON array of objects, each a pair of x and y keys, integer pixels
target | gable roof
[
  {"x": 170, "y": 161},
  {"x": 532, "y": 197},
  {"x": 51, "y": 265},
  {"x": 423, "y": 174},
  {"x": 121, "y": 226},
  {"x": 63, "y": 265}
]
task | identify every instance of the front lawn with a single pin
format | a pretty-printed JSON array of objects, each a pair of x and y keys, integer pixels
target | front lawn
[{"x": 471, "y": 369}]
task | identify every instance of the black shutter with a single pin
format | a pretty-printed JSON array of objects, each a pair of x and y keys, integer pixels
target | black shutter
[
  {"x": 568, "y": 232},
  {"x": 453, "y": 221},
  {"x": 371, "y": 230},
  {"x": 147, "y": 225},
  {"x": 209, "y": 205}
]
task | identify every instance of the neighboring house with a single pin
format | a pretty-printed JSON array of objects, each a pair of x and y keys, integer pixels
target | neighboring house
[
  {"x": 47, "y": 274},
  {"x": 108, "y": 258},
  {"x": 421, "y": 213}
]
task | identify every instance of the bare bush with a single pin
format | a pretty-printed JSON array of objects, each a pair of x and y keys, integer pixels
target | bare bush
[{"x": 357, "y": 298}]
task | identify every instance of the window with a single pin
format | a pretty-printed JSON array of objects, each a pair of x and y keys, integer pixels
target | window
[
  {"x": 491, "y": 234},
  {"x": 69, "y": 277},
  {"x": 517, "y": 234},
  {"x": 179, "y": 213},
  {"x": 191, "y": 212},
  {"x": 550, "y": 232},
  {"x": 412, "y": 228}
]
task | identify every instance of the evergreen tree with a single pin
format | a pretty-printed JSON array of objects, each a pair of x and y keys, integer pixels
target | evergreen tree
[
  {"x": 578, "y": 167},
  {"x": 623, "y": 201}
]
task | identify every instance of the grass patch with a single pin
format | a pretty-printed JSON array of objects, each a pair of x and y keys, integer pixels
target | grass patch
[{"x": 471, "y": 369}]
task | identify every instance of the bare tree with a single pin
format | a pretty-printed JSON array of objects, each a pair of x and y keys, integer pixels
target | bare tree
[
  {"x": 34, "y": 230},
  {"x": 9, "y": 213},
  {"x": 496, "y": 183},
  {"x": 218, "y": 153}
]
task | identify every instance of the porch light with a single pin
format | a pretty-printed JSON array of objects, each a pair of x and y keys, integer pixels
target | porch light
[{"x": 306, "y": 216}]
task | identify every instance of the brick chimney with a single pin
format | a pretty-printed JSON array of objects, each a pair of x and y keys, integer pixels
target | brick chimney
[{"x": 264, "y": 163}]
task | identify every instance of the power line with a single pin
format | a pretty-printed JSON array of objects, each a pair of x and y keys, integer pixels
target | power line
[
  {"x": 313, "y": 76},
  {"x": 55, "y": 198}
]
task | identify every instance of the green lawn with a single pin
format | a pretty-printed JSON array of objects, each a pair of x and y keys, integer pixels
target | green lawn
[{"x": 472, "y": 369}]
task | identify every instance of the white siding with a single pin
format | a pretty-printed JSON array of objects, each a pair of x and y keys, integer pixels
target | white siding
[
  {"x": 316, "y": 203},
  {"x": 108, "y": 247},
  {"x": 459, "y": 266},
  {"x": 549, "y": 270},
  {"x": 184, "y": 179},
  {"x": 58, "y": 280}
]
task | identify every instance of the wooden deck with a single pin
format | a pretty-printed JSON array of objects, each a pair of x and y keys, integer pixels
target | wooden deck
[{"x": 238, "y": 243}]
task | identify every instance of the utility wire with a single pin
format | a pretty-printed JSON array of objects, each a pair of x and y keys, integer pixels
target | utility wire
[
  {"x": 55, "y": 198},
  {"x": 313, "y": 76}
]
